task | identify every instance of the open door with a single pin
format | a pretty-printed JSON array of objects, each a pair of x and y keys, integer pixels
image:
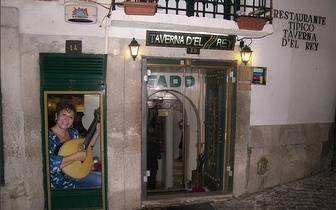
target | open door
[
  {"x": 187, "y": 115},
  {"x": 214, "y": 129}
]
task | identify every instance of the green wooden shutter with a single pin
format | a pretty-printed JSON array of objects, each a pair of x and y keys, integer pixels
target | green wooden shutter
[{"x": 73, "y": 72}]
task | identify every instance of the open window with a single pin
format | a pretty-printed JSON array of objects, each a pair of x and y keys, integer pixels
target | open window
[
  {"x": 73, "y": 108},
  {"x": 85, "y": 176}
]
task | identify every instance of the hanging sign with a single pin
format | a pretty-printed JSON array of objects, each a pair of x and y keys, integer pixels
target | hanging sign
[
  {"x": 188, "y": 40},
  {"x": 79, "y": 11}
]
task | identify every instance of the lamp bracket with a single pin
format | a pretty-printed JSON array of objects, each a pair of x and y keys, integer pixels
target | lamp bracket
[{"x": 241, "y": 43}]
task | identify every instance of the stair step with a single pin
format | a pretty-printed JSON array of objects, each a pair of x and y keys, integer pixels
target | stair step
[
  {"x": 177, "y": 165},
  {"x": 177, "y": 172}
]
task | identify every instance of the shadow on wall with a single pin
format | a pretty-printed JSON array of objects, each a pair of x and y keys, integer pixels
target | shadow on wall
[
  {"x": 332, "y": 140},
  {"x": 328, "y": 154}
]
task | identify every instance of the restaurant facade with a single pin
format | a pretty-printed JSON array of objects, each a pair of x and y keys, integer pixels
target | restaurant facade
[{"x": 184, "y": 119}]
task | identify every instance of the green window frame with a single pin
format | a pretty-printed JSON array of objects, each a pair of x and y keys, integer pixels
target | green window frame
[{"x": 73, "y": 73}]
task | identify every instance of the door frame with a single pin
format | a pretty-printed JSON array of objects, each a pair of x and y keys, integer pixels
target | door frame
[{"x": 228, "y": 163}]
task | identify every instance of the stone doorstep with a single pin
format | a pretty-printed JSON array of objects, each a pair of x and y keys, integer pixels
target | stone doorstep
[{"x": 183, "y": 199}]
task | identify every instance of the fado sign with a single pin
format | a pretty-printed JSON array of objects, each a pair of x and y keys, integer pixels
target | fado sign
[{"x": 170, "y": 81}]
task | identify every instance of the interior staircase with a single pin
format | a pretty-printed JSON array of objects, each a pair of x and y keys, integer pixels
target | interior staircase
[{"x": 178, "y": 170}]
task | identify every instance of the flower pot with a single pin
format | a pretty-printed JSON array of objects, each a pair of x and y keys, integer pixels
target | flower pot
[
  {"x": 140, "y": 7},
  {"x": 251, "y": 23}
]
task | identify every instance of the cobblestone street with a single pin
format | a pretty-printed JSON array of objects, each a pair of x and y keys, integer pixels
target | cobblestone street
[
  {"x": 317, "y": 192},
  {"x": 313, "y": 193}
]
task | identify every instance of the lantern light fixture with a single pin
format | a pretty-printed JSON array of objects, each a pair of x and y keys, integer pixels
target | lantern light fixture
[
  {"x": 245, "y": 53},
  {"x": 134, "y": 48}
]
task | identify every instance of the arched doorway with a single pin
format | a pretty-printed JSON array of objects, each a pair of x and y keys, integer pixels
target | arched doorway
[{"x": 169, "y": 148}]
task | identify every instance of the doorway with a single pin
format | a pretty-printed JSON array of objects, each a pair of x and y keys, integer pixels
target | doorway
[{"x": 188, "y": 131}]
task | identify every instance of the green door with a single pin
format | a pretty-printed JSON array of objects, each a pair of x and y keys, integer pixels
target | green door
[{"x": 214, "y": 129}]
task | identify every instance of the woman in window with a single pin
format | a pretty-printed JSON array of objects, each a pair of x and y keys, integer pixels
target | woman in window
[{"x": 58, "y": 134}]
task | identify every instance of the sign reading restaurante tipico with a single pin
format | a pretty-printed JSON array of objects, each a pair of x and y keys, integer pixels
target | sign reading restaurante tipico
[
  {"x": 188, "y": 40},
  {"x": 301, "y": 28}
]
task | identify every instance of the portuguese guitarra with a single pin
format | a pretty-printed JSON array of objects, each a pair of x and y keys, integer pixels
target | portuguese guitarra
[{"x": 80, "y": 169}]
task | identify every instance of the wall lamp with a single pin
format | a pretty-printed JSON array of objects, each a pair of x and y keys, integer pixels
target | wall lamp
[
  {"x": 134, "y": 48},
  {"x": 245, "y": 53}
]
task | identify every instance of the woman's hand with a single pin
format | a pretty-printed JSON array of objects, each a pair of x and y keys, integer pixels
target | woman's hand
[
  {"x": 77, "y": 156},
  {"x": 98, "y": 129},
  {"x": 81, "y": 155},
  {"x": 96, "y": 135}
]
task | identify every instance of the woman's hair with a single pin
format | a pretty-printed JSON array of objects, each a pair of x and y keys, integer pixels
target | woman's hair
[{"x": 65, "y": 106}]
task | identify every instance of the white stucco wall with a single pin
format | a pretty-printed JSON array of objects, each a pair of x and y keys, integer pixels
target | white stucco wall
[{"x": 301, "y": 84}]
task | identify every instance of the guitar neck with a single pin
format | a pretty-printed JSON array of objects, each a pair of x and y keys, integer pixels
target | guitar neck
[{"x": 90, "y": 133}]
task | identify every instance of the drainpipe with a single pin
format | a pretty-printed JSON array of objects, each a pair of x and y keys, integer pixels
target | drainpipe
[{"x": 107, "y": 27}]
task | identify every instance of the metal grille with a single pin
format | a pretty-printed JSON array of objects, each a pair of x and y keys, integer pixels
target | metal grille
[{"x": 225, "y": 9}]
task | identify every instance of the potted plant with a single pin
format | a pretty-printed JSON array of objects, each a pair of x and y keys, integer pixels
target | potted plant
[
  {"x": 140, "y": 7},
  {"x": 254, "y": 20},
  {"x": 251, "y": 22}
]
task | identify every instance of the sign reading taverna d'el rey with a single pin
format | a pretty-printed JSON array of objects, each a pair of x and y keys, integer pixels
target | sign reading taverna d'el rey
[{"x": 189, "y": 40}]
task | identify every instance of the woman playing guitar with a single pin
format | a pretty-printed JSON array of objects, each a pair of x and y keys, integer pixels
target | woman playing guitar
[{"x": 59, "y": 134}]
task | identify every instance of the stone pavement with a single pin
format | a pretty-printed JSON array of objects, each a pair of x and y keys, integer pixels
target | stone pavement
[
  {"x": 316, "y": 193},
  {"x": 313, "y": 193}
]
